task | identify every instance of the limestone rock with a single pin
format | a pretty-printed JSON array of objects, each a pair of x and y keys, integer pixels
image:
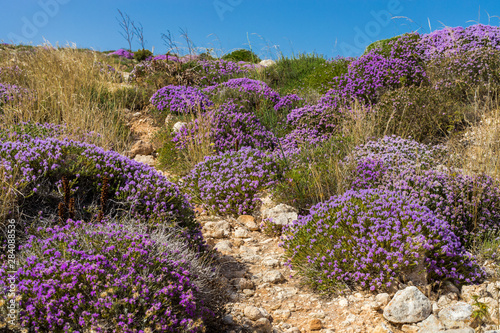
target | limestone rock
[
  {"x": 273, "y": 277},
  {"x": 220, "y": 229},
  {"x": 456, "y": 316},
  {"x": 408, "y": 306},
  {"x": 141, "y": 148},
  {"x": 177, "y": 126},
  {"x": 242, "y": 284},
  {"x": 281, "y": 214},
  {"x": 315, "y": 324},
  {"x": 241, "y": 233},
  {"x": 383, "y": 299},
  {"x": 264, "y": 325},
  {"x": 253, "y": 313},
  {"x": 249, "y": 222},
  {"x": 145, "y": 159},
  {"x": 293, "y": 330},
  {"x": 430, "y": 325},
  {"x": 224, "y": 247},
  {"x": 282, "y": 314},
  {"x": 267, "y": 63}
]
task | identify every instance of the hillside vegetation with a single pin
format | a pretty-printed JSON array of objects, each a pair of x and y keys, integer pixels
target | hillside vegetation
[{"x": 391, "y": 160}]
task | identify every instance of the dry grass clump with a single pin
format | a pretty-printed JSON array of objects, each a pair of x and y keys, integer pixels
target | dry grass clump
[
  {"x": 478, "y": 150},
  {"x": 67, "y": 86}
]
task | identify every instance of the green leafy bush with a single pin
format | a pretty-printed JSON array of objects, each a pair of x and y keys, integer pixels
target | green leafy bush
[
  {"x": 242, "y": 55},
  {"x": 141, "y": 55},
  {"x": 320, "y": 79},
  {"x": 383, "y": 44}
]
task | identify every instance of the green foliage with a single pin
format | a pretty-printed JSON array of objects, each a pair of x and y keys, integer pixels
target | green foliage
[
  {"x": 314, "y": 175},
  {"x": 242, "y": 55},
  {"x": 382, "y": 44},
  {"x": 141, "y": 55},
  {"x": 422, "y": 112},
  {"x": 324, "y": 73},
  {"x": 288, "y": 75}
]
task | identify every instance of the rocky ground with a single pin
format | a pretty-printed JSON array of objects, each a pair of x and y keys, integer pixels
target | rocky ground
[{"x": 267, "y": 297}]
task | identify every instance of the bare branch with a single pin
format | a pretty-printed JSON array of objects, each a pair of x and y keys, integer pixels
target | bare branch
[{"x": 126, "y": 26}]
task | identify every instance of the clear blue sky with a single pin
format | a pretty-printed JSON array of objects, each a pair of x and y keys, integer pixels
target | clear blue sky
[{"x": 328, "y": 27}]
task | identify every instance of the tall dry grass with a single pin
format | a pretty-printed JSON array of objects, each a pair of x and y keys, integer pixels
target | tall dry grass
[{"x": 67, "y": 86}]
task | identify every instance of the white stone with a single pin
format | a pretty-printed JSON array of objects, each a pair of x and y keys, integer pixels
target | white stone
[
  {"x": 273, "y": 277},
  {"x": 267, "y": 62},
  {"x": 177, "y": 126},
  {"x": 430, "y": 325},
  {"x": 281, "y": 214},
  {"x": 456, "y": 316},
  {"x": 253, "y": 313},
  {"x": 145, "y": 159},
  {"x": 383, "y": 299},
  {"x": 408, "y": 306},
  {"x": 224, "y": 247},
  {"x": 241, "y": 233}
]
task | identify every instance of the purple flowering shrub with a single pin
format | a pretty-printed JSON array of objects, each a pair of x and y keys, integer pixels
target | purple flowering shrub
[
  {"x": 27, "y": 131},
  {"x": 228, "y": 183},
  {"x": 289, "y": 102},
  {"x": 374, "y": 73},
  {"x": 109, "y": 277},
  {"x": 218, "y": 71},
  {"x": 133, "y": 188},
  {"x": 180, "y": 99},
  {"x": 470, "y": 204},
  {"x": 373, "y": 239},
  {"x": 122, "y": 53},
  {"x": 232, "y": 128},
  {"x": 254, "y": 94},
  {"x": 11, "y": 93}
]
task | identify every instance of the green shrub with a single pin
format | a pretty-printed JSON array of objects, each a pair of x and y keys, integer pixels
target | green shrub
[
  {"x": 141, "y": 55},
  {"x": 383, "y": 44},
  {"x": 422, "y": 112},
  {"x": 242, "y": 55},
  {"x": 133, "y": 98},
  {"x": 314, "y": 175},
  {"x": 320, "y": 79}
]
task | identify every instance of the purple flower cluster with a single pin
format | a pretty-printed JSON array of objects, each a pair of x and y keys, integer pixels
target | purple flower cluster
[
  {"x": 372, "y": 238},
  {"x": 180, "y": 99},
  {"x": 470, "y": 204},
  {"x": 227, "y": 184},
  {"x": 139, "y": 190},
  {"x": 289, "y": 102},
  {"x": 452, "y": 41},
  {"x": 374, "y": 73},
  {"x": 244, "y": 90},
  {"x": 122, "y": 53},
  {"x": 27, "y": 131},
  {"x": 11, "y": 92},
  {"x": 105, "y": 277},
  {"x": 166, "y": 57},
  {"x": 232, "y": 128},
  {"x": 218, "y": 71}
]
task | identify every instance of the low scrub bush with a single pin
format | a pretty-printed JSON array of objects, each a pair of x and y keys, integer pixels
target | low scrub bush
[
  {"x": 231, "y": 128},
  {"x": 112, "y": 276},
  {"x": 180, "y": 99},
  {"x": 141, "y": 55},
  {"x": 66, "y": 178},
  {"x": 373, "y": 239},
  {"x": 321, "y": 78},
  {"x": 253, "y": 94},
  {"x": 469, "y": 204},
  {"x": 242, "y": 55},
  {"x": 228, "y": 184},
  {"x": 122, "y": 53}
]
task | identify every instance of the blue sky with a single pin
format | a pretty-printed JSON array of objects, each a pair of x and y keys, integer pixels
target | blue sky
[{"x": 328, "y": 27}]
